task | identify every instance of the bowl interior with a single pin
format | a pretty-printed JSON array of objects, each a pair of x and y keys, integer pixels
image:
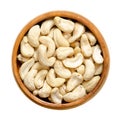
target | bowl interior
[{"x": 75, "y": 17}]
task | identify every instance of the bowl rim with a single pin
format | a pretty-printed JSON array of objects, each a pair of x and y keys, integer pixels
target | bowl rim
[{"x": 92, "y": 28}]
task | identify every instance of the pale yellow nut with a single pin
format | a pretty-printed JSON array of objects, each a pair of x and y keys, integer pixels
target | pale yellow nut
[
  {"x": 77, "y": 93},
  {"x": 63, "y": 52},
  {"x": 46, "y": 26},
  {"x": 85, "y": 46},
  {"x": 79, "y": 29},
  {"x": 98, "y": 69},
  {"x": 81, "y": 69},
  {"x": 43, "y": 59},
  {"x": 64, "y": 25},
  {"x": 61, "y": 71},
  {"x": 22, "y": 59},
  {"x": 73, "y": 62},
  {"x": 59, "y": 39},
  {"x": 77, "y": 50},
  {"x": 25, "y": 67},
  {"x": 62, "y": 89},
  {"x": 25, "y": 48},
  {"x": 90, "y": 85},
  {"x": 75, "y": 80},
  {"x": 52, "y": 80},
  {"x": 33, "y": 35},
  {"x": 47, "y": 41}
]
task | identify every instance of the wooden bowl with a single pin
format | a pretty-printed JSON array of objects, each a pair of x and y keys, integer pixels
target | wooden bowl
[{"x": 86, "y": 23}]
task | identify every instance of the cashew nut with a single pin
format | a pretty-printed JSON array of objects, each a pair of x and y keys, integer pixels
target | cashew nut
[
  {"x": 85, "y": 46},
  {"x": 59, "y": 39},
  {"x": 81, "y": 69},
  {"x": 90, "y": 85},
  {"x": 29, "y": 80},
  {"x": 25, "y": 48},
  {"x": 97, "y": 57},
  {"x": 89, "y": 69},
  {"x": 98, "y": 69},
  {"x": 63, "y": 52},
  {"x": 56, "y": 97},
  {"x": 75, "y": 80},
  {"x": 77, "y": 93},
  {"x": 25, "y": 67},
  {"x": 52, "y": 81},
  {"x": 46, "y": 26},
  {"x": 51, "y": 33},
  {"x": 61, "y": 70},
  {"x": 77, "y": 50},
  {"x": 73, "y": 62},
  {"x": 45, "y": 91},
  {"x": 67, "y": 35},
  {"x": 43, "y": 59},
  {"x": 33, "y": 35},
  {"x": 47, "y": 41},
  {"x": 39, "y": 78},
  {"x": 91, "y": 38},
  {"x": 62, "y": 89},
  {"x": 77, "y": 32},
  {"x": 64, "y": 24},
  {"x": 22, "y": 58}
]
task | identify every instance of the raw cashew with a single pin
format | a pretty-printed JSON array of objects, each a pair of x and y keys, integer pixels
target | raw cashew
[
  {"x": 98, "y": 69},
  {"x": 85, "y": 46},
  {"x": 89, "y": 69},
  {"x": 65, "y": 25},
  {"x": 25, "y": 67},
  {"x": 90, "y": 85},
  {"x": 51, "y": 33},
  {"x": 43, "y": 59},
  {"x": 29, "y": 80},
  {"x": 56, "y": 97},
  {"x": 52, "y": 81},
  {"x": 59, "y": 39},
  {"x": 22, "y": 58},
  {"x": 97, "y": 57},
  {"x": 75, "y": 80},
  {"x": 62, "y": 89},
  {"x": 40, "y": 78},
  {"x": 63, "y": 52},
  {"x": 25, "y": 48},
  {"x": 81, "y": 69},
  {"x": 91, "y": 38},
  {"x": 45, "y": 91},
  {"x": 47, "y": 41},
  {"x": 73, "y": 62},
  {"x": 46, "y": 26},
  {"x": 77, "y": 93},
  {"x": 77, "y": 32},
  {"x": 33, "y": 35},
  {"x": 61, "y": 70}
]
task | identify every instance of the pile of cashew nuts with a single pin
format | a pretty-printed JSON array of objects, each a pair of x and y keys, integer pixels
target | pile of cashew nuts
[{"x": 61, "y": 60}]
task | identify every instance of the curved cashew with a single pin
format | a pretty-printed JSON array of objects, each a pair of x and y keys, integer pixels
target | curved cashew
[
  {"x": 77, "y": 32},
  {"x": 29, "y": 80},
  {"x": 98, "y": 69},
  {"x": 85, "y": 46},
  {"x": 89, "y": 69},
  {"x": 51, "y": 33},
  {"x": 62, "y": 89},
  {"x": 74, "y": 81},
  {"x": 90, "y": 85},
  {"x": 22, "y": 58},
  {"x": 61, "y": 70},
  {"x": 59, "y": 39},
  {"x": 25, "y": 67},
  {"x": 46, "y": 26},
  {"x": 33, "y": 35},
  {"x": 52, "y": 81},
  {"x": 47, "y": 41},
  {"x": 63, "y": 52},
  {"x": 43, "y": 59},
  {"x": 39, "y": 78},
  {"x": 45, "y": 91},
  {"x": 97, "y": 57},
  {"x": 25, "y": 48},
  {"x": 64, "y": 24},
  {"x": 73, "y": 62},
  {"x": 81, "y": 69},
  {"x": 56, "y": 97},
  {"x": 91, "y": 38},
  {"x": 77, "y": 93}
]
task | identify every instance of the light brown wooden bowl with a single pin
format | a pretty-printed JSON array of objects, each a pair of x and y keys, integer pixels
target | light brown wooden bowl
[{"x": 92, "y": 28}]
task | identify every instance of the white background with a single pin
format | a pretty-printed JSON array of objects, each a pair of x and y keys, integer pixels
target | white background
[{"x": 14, "y": 14}]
